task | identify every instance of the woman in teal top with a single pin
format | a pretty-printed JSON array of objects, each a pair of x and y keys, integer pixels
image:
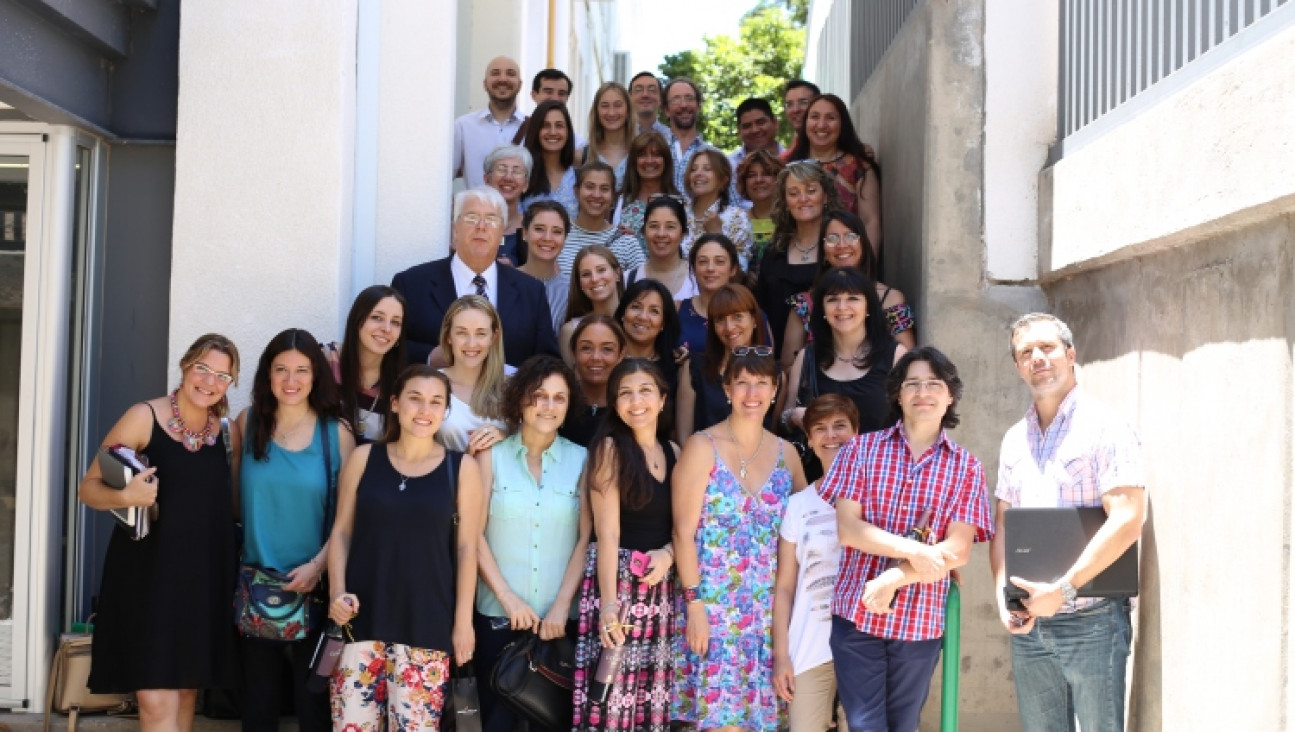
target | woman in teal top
[
  {"x": 286, "y": 508},
  {"x": 532, "y": 554}
]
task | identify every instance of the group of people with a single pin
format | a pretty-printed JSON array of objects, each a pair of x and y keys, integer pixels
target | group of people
[{"x": 609, "y": 416}]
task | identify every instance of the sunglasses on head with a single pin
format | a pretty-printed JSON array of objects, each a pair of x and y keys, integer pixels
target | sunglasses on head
[{"x": 762, "y": 351}]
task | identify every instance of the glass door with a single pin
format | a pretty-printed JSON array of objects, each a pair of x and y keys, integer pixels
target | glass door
[{"x": 15, "y": 172}]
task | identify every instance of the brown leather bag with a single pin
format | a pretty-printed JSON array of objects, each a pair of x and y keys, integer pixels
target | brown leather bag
[{"x": 69, "y": 675}]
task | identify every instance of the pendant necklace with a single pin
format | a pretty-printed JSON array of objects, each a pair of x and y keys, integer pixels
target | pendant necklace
[
  {"x": 403, "y": 478},
  {"x": 192, "y": 441},
  {"x": 741, "y": 470},
  {"x": 804, "y": 253}
]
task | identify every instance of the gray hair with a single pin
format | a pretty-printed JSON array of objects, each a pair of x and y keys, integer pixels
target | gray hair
[
  {"x": 481, "y": 194},
  {"x": 506, "y": 152},
  {"x": 1063, "y": 330}
]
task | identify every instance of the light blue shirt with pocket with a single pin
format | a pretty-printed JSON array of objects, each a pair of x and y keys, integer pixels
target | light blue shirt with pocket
[{"x": 532, "y": 528}]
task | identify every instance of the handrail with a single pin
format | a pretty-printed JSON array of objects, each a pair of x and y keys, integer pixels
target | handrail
[{"x": 952, "y": 659}]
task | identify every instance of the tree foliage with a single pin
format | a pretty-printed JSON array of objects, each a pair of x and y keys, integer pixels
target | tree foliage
[{"x": 768, "y": 51}]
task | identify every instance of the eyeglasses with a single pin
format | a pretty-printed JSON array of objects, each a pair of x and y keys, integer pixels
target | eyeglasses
[
  {"x": 761, "y": 351},
  {"x": 836, "y": 240},
  {"x": 509, "y": 171},
  {"x": 204, "y": 371},
  {"x": 917, "y": 386},
  {"x": 490, "y": 220},
  {"x": 683, "y": 99}
]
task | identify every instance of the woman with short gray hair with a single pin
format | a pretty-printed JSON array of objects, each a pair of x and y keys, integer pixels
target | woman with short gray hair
[{"x": 508, "y": 170}]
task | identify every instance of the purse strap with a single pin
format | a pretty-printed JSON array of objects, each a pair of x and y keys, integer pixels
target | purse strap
[{"x": 330, "y": 478}]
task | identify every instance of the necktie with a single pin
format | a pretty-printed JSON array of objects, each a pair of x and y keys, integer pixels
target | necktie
[{"x": 479, "y": 282}]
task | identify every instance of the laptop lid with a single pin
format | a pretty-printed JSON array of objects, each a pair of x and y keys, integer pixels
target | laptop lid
[{"x": 1041, "y": 544}]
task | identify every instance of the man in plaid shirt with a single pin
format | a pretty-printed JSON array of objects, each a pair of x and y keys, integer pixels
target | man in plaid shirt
[
  {"x": 1068, "y": 654},
  {"x": 885, "y": 485}
]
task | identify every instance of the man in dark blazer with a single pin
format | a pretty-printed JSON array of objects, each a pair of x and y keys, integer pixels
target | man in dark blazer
[{"x": 479, "y": 216}]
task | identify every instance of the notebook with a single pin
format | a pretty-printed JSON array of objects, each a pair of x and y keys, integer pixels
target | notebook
[
  {"x": 117, "y": 466},
  {"x": 1041, "y": 544}
]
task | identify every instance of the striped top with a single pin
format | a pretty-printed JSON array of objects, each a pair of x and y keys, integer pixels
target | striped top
[{"x": 624, "y": 246}]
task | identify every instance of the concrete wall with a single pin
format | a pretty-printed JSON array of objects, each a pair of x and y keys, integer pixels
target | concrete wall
[
  {"x": 1193, "y": 345},
  {"x": 924, "y": 111},
  {"x": 1167, "y": 242},
  {"x": 264, "y": 171}
]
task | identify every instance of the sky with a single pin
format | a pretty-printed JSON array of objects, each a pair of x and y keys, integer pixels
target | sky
[{"x": 662, "y": 27}]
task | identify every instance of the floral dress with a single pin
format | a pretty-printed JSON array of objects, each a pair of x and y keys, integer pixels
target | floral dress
[{"x": 737, "y": 555}]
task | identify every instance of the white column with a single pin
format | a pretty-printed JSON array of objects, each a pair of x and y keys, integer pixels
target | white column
[
  {"x": 1020, "y": 126},
  {"x": 415, "y": 127},
  {"x": 265, "y": 161}
]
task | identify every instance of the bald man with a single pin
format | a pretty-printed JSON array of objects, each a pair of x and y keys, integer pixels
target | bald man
[{"x": 478, "y": 132}]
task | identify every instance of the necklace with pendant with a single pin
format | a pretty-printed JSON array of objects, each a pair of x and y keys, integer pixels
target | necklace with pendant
[
  {"x": 192, "y": 441},
  {"x": 403, "y": 478},
  {"x": 741, "y": 462},
  {"x": 804, "y": 253}
]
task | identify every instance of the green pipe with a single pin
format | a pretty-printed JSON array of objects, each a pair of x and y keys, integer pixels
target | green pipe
[{"x": 952, "y": 660}]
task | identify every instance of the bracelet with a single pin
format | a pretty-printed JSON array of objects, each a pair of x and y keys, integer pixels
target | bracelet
[{"x": 785, "y": 418}]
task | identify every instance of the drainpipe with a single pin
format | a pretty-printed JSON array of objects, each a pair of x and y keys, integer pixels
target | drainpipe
[{"x": 553, "y": 9}]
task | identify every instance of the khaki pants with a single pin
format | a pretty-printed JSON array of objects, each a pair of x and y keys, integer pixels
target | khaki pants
[{"x": 811, "y": 706}]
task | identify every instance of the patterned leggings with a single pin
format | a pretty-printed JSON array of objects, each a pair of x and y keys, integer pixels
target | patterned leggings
[{"x": 375, "y": 679}]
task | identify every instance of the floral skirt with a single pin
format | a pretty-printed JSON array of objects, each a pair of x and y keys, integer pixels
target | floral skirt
[
  {"x": 640, "y": 694},
  {"x": 388, "y": 686}
]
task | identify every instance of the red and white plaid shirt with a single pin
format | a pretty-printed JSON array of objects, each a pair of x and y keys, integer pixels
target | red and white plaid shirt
[
  {"x": 878, "y": 471},
  {"x": 1086, "y": 451}
]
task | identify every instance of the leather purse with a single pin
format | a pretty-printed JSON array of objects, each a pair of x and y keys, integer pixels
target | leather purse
[
  {"x": 536, "y": 679},
  {"x": 68, "y": 692}
]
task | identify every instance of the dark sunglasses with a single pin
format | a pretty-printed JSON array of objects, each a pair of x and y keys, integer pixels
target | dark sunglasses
[{"x": 762, "y": 351}]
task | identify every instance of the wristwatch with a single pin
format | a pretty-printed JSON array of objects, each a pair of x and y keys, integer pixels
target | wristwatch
[
  {"x": 1068, "y": 592},
  {"x": 690, "y": 595}
]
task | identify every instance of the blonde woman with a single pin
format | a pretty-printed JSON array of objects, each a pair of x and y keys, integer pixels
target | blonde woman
[
  {"x": 610, "y": 129},
  {"x": 163, "y": 626},
  {"x": 597, "y": 284},
  {"x": 473, "y": 344}
]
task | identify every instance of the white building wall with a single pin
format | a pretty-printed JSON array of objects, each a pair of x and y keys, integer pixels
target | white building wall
[
  {"x": 264, "y": 169},
  {"x": 1020, "y": 127},
  {"x": 415, "y": 137}
]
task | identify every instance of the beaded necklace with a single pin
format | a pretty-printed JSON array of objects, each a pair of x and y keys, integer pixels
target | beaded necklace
[{"x": 192, "y": 441}]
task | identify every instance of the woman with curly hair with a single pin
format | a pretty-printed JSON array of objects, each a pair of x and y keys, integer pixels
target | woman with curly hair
[{"x": 537, "y": 529}]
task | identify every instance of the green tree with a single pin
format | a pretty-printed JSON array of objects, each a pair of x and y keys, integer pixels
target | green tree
[{"x": 769, "y": 50}]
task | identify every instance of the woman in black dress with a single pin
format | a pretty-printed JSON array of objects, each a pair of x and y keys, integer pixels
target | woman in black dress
[
  {"x": 790, "y": 264},
  {"x": 164, "y": 628},
  {"x": 402, "y": 564},
  {"x": 851, "y": 355},
  {"x": 624, "y": 603}
]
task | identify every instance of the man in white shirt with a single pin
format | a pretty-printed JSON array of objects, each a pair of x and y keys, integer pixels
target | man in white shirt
[{"x": 478, "y": 132}]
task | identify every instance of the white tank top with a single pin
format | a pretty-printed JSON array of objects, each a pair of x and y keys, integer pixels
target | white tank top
[{"x": 461, "y": 422}]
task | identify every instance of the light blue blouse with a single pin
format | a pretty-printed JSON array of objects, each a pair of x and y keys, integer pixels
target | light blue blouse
[{"x": 532, "y": 528}]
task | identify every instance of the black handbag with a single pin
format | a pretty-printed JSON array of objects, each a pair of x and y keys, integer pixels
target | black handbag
[
  {"x": 462, "y": 712},
  {"x": 536, "y": 678}
]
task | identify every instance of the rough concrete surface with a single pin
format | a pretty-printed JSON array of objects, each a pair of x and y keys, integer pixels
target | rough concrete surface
[{"x": 1193, "y": 345}]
